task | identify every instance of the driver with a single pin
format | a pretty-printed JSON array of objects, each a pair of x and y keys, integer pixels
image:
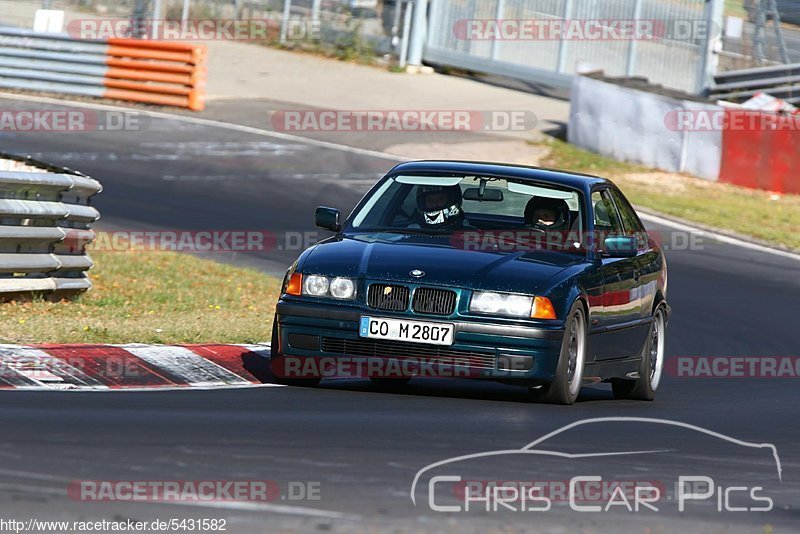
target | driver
[
  {"x": 548, "y": 214},
  {"x": 440, "y": 206}
]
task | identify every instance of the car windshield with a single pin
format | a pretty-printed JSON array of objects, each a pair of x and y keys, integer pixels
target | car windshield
[{"x": 505, "y": 209}]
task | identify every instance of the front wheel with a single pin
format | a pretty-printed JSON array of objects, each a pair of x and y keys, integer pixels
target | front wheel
[
  {"x": 649, "y": 376},
  {"x": 569, "y": 373}
]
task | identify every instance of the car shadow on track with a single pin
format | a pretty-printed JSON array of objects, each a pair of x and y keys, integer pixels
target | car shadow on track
[{"x": 457, "y": 388}]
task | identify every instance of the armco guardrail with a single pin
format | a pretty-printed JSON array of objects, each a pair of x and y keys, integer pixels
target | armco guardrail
[
  {"x": 782, "y": 81},
  {"x": 44, "y": 228},
  {"x": 152, "y": 72}
]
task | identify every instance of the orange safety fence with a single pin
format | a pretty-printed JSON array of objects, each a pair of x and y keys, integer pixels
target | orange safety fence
[{"x": 155, "y": 72}]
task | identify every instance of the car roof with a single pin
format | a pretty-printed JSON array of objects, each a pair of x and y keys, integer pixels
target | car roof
[{"x": 572, "y": 180}]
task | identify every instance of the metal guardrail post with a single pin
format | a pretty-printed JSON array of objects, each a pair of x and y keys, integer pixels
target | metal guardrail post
[
  {"x": 758, "y": 37},
  {"x": 764, "y": 10},
  {"x": 138, "y": 19},
  {"x": 157, "y": 15},
  {"x": 498, "y": 16},
  {"x": 630, "y": 66},
  {"x": 561, "y": 61},
  {"x": 712, "y": 43},
  {"x": 406, "y": 30},
  {"x": 185, "y": 11},
  {"x": 419, "y": 32},
  {"x": 776, "y": 20},
  {"x": 287, "y": 11},
  {"x": 315, "y": 9}
]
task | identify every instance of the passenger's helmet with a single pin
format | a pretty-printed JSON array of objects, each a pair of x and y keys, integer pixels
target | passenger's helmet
[
  {"x": 439, "y": 206},
  {"x": 545, "y": 213}
]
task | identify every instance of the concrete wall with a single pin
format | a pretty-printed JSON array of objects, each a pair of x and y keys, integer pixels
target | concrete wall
[{"x": 640, "y": 127}]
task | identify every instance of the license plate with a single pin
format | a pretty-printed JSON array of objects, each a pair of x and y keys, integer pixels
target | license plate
[{"x": 402, "y": 330}]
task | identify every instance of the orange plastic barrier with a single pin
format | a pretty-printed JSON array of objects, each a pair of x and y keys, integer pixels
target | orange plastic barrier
[
  {"x": 156, "y": 72},
  {"x": 194, "y": 100},
  {"x": 167, "y": 73},
  {"x": 159, "y": 66}
]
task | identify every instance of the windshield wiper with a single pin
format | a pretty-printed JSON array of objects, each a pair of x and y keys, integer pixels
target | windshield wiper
[{"x": 412, "y": 231}]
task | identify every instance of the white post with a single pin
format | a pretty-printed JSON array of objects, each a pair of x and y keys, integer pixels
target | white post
[
  {"x": 498, "y": 15},
  {"x": 709, "y": 52},
  {"x": 561, "y": 62},
  {"x": 287, "y": 10},
  {"x": 419, "y": 32},
  {"x": 630, "y": 66},
  {"x": 315, "y": 7},
  {"x": 406, "y": 30},
  {"x": 156, "y": 22},
  {"x": 185, "y": 13}
]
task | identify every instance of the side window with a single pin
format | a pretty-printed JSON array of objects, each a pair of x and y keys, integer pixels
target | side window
[
  {"x": 629, "y": 219},
  {"x": 606, "y": 217}
]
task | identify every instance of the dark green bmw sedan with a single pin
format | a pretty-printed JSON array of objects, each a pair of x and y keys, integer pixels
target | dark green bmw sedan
[{"x": 528, "y": 276}]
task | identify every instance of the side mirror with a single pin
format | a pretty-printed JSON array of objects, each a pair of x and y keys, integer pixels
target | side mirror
[
  {"x": 621, "y": 247},
  {"x": 328, "y": 218}
]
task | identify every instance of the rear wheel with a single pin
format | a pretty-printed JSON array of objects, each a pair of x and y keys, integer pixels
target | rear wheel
[
  {"x": 650, "y": 368},
  {"x": 278, "y": 364},
  {"x": 569, "y": 373}
]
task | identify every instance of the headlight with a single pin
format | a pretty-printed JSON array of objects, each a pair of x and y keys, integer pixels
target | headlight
[
  {"x": 316, "y": 286},
  {"x": 501, "y": 304},
  {"x": 341, "y": 288}
]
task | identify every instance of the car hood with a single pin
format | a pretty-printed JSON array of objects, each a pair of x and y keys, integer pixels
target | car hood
[{"x": 392, "y": 257}]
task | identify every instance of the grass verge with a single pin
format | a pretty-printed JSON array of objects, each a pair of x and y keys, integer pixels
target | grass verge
[
  {"x": 735, "y": 8},
  {"x": 759, "y": 214},
  {"x": 151, "y": 297}
]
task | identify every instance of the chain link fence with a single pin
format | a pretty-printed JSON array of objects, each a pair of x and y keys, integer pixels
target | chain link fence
[
  {"x": 351, "y": 29},
  {"x": 673, "y": 57},
  {"x": 761, "y": 33}
]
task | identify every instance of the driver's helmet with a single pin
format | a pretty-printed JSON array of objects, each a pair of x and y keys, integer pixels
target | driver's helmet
[
  {"x": 439, "y": 206},
  {"x": 546, "y": 213}
]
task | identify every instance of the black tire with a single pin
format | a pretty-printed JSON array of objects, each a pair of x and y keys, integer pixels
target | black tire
[
  {"x": 651, "y": 366},
  {"x": 276, "y": 363},
  {"x": 569, "y": 373}
]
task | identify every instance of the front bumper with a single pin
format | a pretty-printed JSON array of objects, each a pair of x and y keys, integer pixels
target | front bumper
[{"x": 323, "y": 340}]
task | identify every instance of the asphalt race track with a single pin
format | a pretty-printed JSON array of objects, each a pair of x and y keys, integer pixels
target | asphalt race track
[{"x": 362, "y": 444}]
